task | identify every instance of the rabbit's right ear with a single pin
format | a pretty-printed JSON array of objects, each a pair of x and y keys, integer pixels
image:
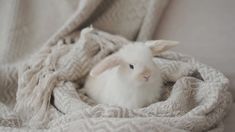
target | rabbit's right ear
[
  {"x": 109, "y": 62},
  {"x": 159, "y": 46}
]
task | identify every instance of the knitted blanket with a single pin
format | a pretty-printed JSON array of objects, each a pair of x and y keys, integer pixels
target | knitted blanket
[
  {"x": 49, "y": 98},
  {"x": 43, "y": 94}
]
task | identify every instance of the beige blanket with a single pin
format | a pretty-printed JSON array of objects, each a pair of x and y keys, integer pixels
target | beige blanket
[
  {"x": 195, "y": 98},
  {"x": 48, "y": 96}
]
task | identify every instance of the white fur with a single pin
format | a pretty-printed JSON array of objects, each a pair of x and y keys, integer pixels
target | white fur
[{"x": 117, "y": 87}]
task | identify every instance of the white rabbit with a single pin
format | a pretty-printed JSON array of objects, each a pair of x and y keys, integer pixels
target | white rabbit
[{"x": 128, "y": 78}]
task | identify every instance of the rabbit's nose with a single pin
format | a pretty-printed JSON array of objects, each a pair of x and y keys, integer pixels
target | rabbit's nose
[{"x": 147, "y": 76}]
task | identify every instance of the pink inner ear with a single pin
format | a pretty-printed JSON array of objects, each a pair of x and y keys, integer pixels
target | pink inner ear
[
  {"x": 109, "y": 62},
  {"x": 159, "y": 46}
]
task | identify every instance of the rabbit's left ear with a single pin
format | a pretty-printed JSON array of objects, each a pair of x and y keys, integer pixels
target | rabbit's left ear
[
  {"x": 159, "y": 46},
  {"x": 107, "y": 63}
]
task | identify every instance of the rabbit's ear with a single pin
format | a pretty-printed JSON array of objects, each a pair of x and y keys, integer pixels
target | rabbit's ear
[
  {"x": 107, "y": 63},
  {"x": 158, "y": 46}
]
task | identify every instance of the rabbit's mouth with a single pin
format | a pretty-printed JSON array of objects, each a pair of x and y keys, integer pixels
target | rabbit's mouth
[{"x": 147, "y": 78}]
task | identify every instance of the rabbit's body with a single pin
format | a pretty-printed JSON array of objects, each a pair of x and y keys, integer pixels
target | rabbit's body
[
  {"x": 128, "y": 78},
  {"x": 110, "y": 89}
]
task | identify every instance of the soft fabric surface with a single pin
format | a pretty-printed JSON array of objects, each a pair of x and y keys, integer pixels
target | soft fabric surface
[
  {"x": 229, "y": 120},
  {"x": 195, "y": 98},
  {"x": 205, "y": 26},
  {"x": 47, "y": 85},
  {"x": 25, "y": 25}
]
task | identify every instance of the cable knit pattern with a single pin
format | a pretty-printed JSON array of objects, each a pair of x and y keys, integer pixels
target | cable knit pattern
[{"x": 195, "y": 96}]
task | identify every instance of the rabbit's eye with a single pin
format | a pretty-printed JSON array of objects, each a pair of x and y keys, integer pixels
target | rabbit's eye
[{"x": 131, "y": 66}]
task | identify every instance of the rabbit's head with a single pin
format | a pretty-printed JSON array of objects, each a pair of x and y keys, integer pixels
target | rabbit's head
[{"x": 135, "y": 62}]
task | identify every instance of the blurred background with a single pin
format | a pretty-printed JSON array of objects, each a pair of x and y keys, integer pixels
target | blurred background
[{"x": 205, "y": 29}]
